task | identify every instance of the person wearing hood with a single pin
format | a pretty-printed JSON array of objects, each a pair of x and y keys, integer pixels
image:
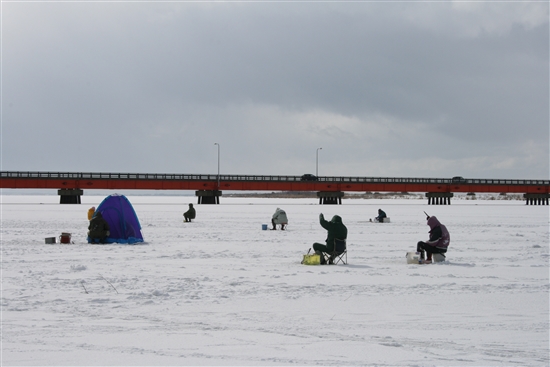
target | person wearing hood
[
  {"x": 91, "y": 212},
  {"x": 98, "y": 229},
  {"x": 190, "y": 214},
  {"x": 335, "y": 229},
  {"x": 279, "y": 217},
  {"x": 437, "y": 244},
  {"x": 381, "y": 216}
]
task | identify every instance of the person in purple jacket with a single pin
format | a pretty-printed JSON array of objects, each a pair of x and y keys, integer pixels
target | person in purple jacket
[{"x": 437, "y": 244}]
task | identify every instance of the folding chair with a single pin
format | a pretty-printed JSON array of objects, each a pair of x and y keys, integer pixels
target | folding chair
[{"x": 339, "y": 254}]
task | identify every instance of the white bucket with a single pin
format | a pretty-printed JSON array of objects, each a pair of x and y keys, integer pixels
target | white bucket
[
  {"x": 413, "y": 258},
  {"x": 438, "y": 258}
]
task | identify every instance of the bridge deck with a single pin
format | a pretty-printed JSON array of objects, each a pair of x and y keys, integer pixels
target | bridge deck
[{"x": 154, "y": 181}]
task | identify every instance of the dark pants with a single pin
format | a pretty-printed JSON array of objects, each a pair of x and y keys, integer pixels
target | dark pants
[
  {"x": 423, "y": 246},
  {"x": 320, "y": 248},
  {"x": 188, "y": 218}
]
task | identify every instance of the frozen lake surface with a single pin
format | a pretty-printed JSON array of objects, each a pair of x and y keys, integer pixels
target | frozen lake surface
[{"x": 220, "y": 291}]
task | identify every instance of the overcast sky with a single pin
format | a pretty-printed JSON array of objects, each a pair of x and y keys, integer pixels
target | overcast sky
[{"x": 400, "y": 89}]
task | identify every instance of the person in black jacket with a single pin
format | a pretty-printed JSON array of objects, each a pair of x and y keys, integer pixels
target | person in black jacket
[
  {"x": 381, "y": 216},
  {"x": 335, "y": 230},
  {"x": 190, "y": 214},
  {"x": 98, "y": 229}
]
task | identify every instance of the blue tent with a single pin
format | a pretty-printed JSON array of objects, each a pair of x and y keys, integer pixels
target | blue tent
[{"x": 123, "y": 222}]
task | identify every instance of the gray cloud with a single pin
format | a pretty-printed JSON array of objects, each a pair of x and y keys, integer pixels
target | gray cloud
[{"x": 399, "y": 89}]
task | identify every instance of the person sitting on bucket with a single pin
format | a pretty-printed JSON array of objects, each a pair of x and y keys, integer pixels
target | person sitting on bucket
[
  {"x": 279, "y": 217},
  {"x": 381, "y": 216},
  {"x": 335, "y": 229},
  {"x": 437, "y": 244},
  {"x": 190, "y": 214},
  {"x": 98, "y": 229}
]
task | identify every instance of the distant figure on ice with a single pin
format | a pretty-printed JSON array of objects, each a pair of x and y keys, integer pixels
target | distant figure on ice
[
  {"x": 335, "y": 230},
  {"x": 190, "y": 214},
  {"x": 98, "y": 229},
  {"x": 381, "y": 216},
  {"x": 437, "y": 244},
  {"x": 91, "y": 212},
  {"x": 279, "y": 217}
]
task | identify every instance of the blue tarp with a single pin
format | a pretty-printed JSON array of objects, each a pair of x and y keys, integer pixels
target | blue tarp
[{"x": 123, "y": 222}]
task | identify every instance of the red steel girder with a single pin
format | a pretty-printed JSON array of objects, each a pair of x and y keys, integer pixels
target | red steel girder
[{"x": 258, "y": 185}]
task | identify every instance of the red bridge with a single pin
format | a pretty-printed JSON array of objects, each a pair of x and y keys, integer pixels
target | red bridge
[{"x": 330, "y": 190}]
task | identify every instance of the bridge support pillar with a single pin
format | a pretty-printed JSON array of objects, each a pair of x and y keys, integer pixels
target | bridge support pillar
[
  {"x": 69, "y": 196},
  {"x": 536, "y": 199},
  {"x": 330, "y": 197},
  {"x": 208, "y": 196},
  {"x": 439, "y": 198}
]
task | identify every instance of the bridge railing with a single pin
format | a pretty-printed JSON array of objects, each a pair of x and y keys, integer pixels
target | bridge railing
[
  {"x": 264, "y": 178},
  {"x": 107, "y": 176}
]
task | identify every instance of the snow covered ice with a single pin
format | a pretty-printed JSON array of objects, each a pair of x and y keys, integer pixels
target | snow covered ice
[{"x": 222, "y": 291}]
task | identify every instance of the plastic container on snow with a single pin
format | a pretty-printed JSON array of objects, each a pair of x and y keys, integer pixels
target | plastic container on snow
[
  {"x": 65, "y": 237},
  {"x": 312, "y": 259},
  {"x": 413, "y": 257}
]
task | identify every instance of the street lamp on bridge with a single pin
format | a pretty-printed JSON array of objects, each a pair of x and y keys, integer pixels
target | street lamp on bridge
[
  {"x": 218, "y": 164},
  {"x": 317, "y": 163}
]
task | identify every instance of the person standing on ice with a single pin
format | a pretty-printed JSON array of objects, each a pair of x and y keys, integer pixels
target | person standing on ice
[
  {"x": 437, "y": 244},
  {"x": 279, "y": 217},
  {"x": 335, "y": 230},
  {"x": 190, "y": 214}
]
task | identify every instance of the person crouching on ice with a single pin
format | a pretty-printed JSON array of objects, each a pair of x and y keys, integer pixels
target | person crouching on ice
[
  {"x": 335, "y": 229},
  {"x": 98, "y": 229},
  {"x": 437, "y": 244},
  {"x": 279, "y": 217},
  {"x": 190, "y": 214},
  {"x": 381, "y": 216},
  {"x": 91, "y": 212}
]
